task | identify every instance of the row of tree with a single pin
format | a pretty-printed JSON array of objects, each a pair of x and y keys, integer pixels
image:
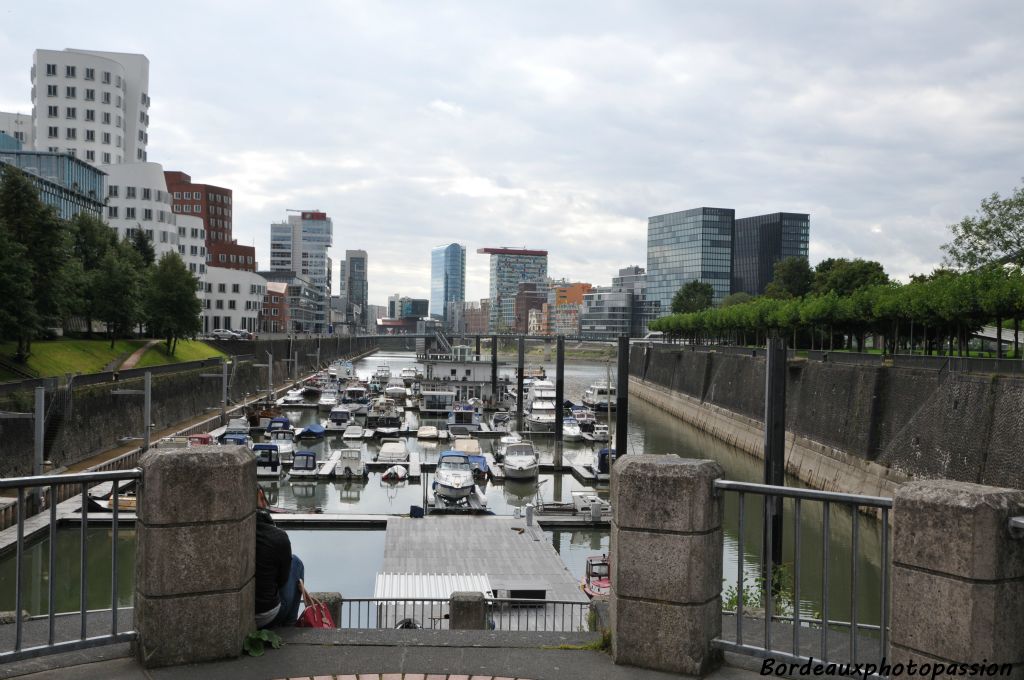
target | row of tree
[{"x": 53, "y": 271}]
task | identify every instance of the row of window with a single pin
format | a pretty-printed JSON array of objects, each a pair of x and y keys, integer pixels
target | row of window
[
  {"x": 90, "y": 155},
  {"x": 53, "y": 132},
  {"x": 132, "y": 192},
  {"x": 90, "y": 95},
  {"x": 198, "y": 196},
  {"x": 90, "y": 74}
]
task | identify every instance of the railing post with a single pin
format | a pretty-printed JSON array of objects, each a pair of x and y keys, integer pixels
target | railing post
[
  {"x": 622, "y": 399},
  {"x": 519, "y": 383},
  {"x": 195, "y": 556},
  {"x": 666, "y": 560},
  {"x": 957, "y": 575},
  {"x": 467, "y": 611}
]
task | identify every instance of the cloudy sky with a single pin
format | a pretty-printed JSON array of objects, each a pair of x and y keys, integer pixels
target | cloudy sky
[{"x": 565, "y": 125}]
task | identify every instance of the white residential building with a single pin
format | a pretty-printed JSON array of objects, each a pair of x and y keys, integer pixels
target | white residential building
[
  {"x": 137, "y": 198},
  {"x": 232, "y": 299},
  {"x": 93, "y": 105},
  {"x": 192, "y": 243},
  {"x": 19, "y": 126}
]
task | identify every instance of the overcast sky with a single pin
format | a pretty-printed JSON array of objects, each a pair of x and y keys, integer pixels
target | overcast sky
[{"x": 565, "y": 125}]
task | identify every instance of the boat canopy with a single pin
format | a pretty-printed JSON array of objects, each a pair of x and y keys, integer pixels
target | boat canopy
[{"x": 304, "y": 460}]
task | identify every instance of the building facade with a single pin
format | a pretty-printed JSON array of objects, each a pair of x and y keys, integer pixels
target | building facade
[
  {"x": 761, "y": 241},
  {"x": 300, "y": 245},
  {"x": 303, "y": 300},
  {"x": 447, "y": 279},
  {"x": 274, "y": 315},
  {"x": 19, "y": 127},
  {"x": 233, "y": 299},
  {"x": 92, "y": 105},
  {"x": 357, "y": 290},
  {"x": 67, "y": 184},
  {"x": 476, "y": 317},
  {"x": 509, "y": 268},
  {"x": 213, "y": 205},
  {"x": 530, "y": 300},
  {"x": 137, "y": 198},
  {"x": 622, "y": 308},
  {"x": 403, "y": 307},
  {"x": 691, "y": 245}
]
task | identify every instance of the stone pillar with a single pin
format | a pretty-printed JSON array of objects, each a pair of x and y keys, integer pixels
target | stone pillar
[
  {"x": 467, "y": 611},
  {"x": 957, "y": 575},
  {"x": 666, "y": 561},
  {"x": 195, "y": 560}
]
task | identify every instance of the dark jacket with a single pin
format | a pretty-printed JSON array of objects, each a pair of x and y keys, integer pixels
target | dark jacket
[{"x": 273, "y": 561}]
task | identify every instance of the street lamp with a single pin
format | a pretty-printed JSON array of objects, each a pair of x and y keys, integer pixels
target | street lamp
[{"x": 147, "y": 404}]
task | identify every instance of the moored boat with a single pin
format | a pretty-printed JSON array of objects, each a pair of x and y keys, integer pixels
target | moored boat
[
  {"x": 408, "y": 375},
  {"x": 268, "y": 460},
  {"x": 304, "y": 465},
  {"x": 338, "y": 419},
  {"x": 520, "y": 461},
  {"x": 597, "y": 580},
  {"x": 392, "y": 451},
  {"x": 426, "y": 432},
  {"x": 311, "y": 431}
]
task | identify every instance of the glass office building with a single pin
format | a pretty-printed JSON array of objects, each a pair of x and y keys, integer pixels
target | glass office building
[
  {"x": 691, "y": 245},
  {"x": 68, "y": 184},
  {"x": 761, "y": 241},
  {"x": 447, "y": 279},
  {"x": 509, "y": 268},
  {"x": 300, "y": 245}
]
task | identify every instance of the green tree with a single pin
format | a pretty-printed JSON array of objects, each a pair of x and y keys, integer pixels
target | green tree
[
  {"x": 17, "y": 306},
  {"x": 91, "y": 241},
  {"x": 143, "y": 245},
  {"x": 793, "y": 278},
  {"x": 739, "y": 298},
  {"x": 171, "y": 306},
  {"x": 117, "y": 284},
  {"x": 844, "y": 277},
  {"x": 994, "y": 235},
  {"x": 692, "y": 297}
]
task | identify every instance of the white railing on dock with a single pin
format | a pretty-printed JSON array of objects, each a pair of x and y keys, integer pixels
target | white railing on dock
[
  {"x": 820, "y": 636},
  {"x": 82, "y": 481}
]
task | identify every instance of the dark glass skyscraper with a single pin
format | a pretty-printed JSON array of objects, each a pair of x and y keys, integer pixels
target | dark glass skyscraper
[
  {"x": 447, "y": 278},
  {"x": 691, "y": 245},
  {"x": 761, "y": 241}
]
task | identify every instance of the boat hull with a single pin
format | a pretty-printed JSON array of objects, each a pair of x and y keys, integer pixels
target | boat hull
[
  {"x": 520, "y": 472},
  {"x": 452, "y": 493},
  {"x": 540, "y": 425}
]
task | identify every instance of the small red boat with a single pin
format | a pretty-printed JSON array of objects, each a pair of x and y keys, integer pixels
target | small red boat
[{"x": 597, "y": 581}]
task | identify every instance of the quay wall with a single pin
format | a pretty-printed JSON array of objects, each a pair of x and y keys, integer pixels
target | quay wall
[
  {"x": 849, "y": 427},
  {"x": 92, "y": 420}
]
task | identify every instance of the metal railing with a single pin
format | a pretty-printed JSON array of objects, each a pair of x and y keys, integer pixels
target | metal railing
[
  {"x": 23, "y": 648},
  {"x": 505, "y": 614},
  {"x": 855, "y": 640}
]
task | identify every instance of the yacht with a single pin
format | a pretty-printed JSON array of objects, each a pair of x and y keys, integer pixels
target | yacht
[
  {"x": 408, "y": 375},
  {"x": 453, "y": 477},
  {"x": 600, "y": 433},
  {"x": 328, "y": 399},
  {"x": 520, "y": 461},
  {"x": 350, "y": 464},
  {"x": 284, "y": 438},
  {"x": 395, "y": 390},
  {"x": 292, "y": 398},
  {"x": 504, "y": 443},
  {"x": 426, "y": 432},
  {"x": 585, "y": 418},
  {"x": 353, "y": 432},
  {"x": 501, "y": 421},
  {"x": 338, "y": 419},
  {"x": 382, "y": 375},
  {"x": 571, "y": 430},
  {"x": 541, "y": 416},
  {"x": 600, "y": 397},
  {"x": 383, "y": 413},
  {"x": 277, "y": 423},
  {"x": 356, "y": 398}
]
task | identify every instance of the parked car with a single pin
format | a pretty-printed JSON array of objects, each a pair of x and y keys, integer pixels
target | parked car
[
  {"x": 224, "y": 334},
  {"x": 245, "y": 335}
]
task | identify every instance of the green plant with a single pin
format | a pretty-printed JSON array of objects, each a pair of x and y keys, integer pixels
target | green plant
[
  {"x": 256, "y": 641},
  {"x": 754, "y": 593}
]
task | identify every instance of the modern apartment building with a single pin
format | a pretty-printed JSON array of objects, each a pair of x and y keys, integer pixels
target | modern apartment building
[
  {"x": 18, "y": 126},
  {"x": 447, "y": 279},
  {"x": 137, "y": 198},
  {"x": 300, "y": 245},
  {"x": 233, "y": 300},
  {"x": 691, "y": 245},
  {"x": 624, "y": 308},
  {"x": 90, "y": 104},
  {"x": 761, "y": 241},
  {"x": 213, "y": 205},
  {"x": 303, "y": 300},
  {"x": 509, "y": 268}
]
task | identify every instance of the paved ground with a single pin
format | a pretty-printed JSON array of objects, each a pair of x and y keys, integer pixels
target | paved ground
[
  {"x": 136, "y": 356},
  {"x": 424, "y": 654}
]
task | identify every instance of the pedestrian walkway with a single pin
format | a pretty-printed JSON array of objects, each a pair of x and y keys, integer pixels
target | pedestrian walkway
[{"x": 136, "y": 356}]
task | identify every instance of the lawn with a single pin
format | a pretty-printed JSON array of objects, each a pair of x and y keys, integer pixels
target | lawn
[
  {"x": 57, "y": 357},
  {"x": 188, "y": 350}
]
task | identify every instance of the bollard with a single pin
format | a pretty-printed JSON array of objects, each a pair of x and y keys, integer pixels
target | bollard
[
  {"x": 467, "y": 611},
  {"x": 529, "y": 514}
]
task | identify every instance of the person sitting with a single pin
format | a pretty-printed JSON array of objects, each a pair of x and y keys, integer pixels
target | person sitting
[{"x": 278, "y": 572}]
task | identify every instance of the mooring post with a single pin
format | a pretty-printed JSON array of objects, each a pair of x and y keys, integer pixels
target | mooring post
[
  {"x": 774, "y": 447},
  {"x": 622, "y": 399},
  {"x": 519, "y": 384},
  {"x": 478, "y": 348},
  {"x": 559, "y": 396},
  {"x": 494, "y": 369}
]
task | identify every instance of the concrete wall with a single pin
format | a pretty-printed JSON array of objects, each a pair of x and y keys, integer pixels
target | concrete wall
[{"x": 893, "y": 422}]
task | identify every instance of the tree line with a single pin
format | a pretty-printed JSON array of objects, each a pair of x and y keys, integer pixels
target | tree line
[
  {"x": 841, "y": 301},
  {"x": 54, "y": 271}
]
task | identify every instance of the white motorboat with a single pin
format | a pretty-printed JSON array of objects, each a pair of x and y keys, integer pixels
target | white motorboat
[
  {"x": 395, "y": 391},
  {"x": 464, "y": 417},
  {"x": 600, "y": 397},
  {"x": 236, "y": 426},
  {"x": 382, "y": 374},
  {"x": 408, "y": 375},
  {"x": 328, "y": 400},
  {"x": 268, "y": 461},
  {"x": 383, "y": 412},
  {"x": 284, "y": 438},
  {"x": 292, "y": 397},
  {"x": 504, "y": 443},
  {"x": 356, "y": 398},
  {"x": 392, "y": 451},
  {"x": 585, "y": 418},
  {"x": 353, "y": 432},
  {"x": 571, "y": 431},
  {"x": 426, "y": 432},
  {"x": 541, "y": 417},
  {"x": 338, "y": 420},
  {"x": 501, "y": 421},
  {"x": 304, "y": 465},
  {"x": 600, "y": 433},
  {"x": 520, "y": 461},
  {"x": 453, "y": 477},
  {"x": 350, "y": 464}
]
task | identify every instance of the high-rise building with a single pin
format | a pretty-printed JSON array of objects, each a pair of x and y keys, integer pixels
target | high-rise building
[
  {"x": 761, "y": 241},
  {"x": 509, "y": 268},
  {"x": 356, "y": 287},
  {"x": 212, "y": 205},
  {"x": 302, "y": 297},
  {"x": 404, "y": 307},
  {"x": 447, "y": 279},
  {"x": 90, "y": 104},
  {"x": 624, "y": 308},
  {"x": 691, "y": 245},
  {"x": 300, "y": 245}
]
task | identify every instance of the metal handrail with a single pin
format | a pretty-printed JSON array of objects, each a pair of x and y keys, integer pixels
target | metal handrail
[
  {"x": 771, "y": 497},
  {"x": 84, "y": 480}
]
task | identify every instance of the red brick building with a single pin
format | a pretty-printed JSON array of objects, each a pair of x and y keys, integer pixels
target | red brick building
[
  {"x": 213, "y": 205},
  {"x": 274, "y": 315}
]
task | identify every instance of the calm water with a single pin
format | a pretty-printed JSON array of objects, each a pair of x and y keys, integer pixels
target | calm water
[{"x": 348, "y": 560}]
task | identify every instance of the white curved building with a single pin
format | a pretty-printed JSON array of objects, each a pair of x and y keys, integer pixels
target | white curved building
[
  {"x": 137, "y": 198},
  {"x": 232, "y": 299},
  {"x": 93, "y": 105}
]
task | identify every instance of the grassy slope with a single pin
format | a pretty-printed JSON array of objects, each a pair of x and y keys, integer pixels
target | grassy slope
[
  {"x": 187, "y": 350},
  {"x": 57, "y": 357}
]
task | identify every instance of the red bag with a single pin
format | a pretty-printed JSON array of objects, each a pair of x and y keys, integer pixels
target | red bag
[{"x": 315, "y": 614}]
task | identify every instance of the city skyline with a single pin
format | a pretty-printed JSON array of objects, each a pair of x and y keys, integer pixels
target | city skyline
[{"x": 602, "y": 119}]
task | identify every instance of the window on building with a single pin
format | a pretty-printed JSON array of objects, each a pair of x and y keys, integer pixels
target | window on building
[
  {"x": 90, "y": 135},
  {"x": 118, "y": 84},
  {"x": 90, "y": 74},
  {"x": 147, "y": 214},
  {"x": 147, "y": 194},
  {"x": 71, "y": 133},
  {"x": 222, "y": 288},
  {"x": 106, "y": 77},
  {"x": 90, "y": 114},
  {"x": 90, "y": 95},
  {"x": 106, "y": 138},
  {"x": 112, "y": 211},
  {"x": 197, "y": 208},
  {"x": 106, "y": 159},
  {"x": 106, "y": 118},
  {"x": 70, "y": 112},
  {"x": 52, "y": 111},
  {"x": 231, "y": 304},
  {"x": 51, "y": 90},
  {"x": 177, "y": 194},
  {"x": 129, "y": 192},
  {"x": 188, "y": 207},
  {"x": 69, "y": 71},
  {"x": 90, "y": 155},
  {"x": 163, "y": 236},
  {"x": 129, "y": 213},
  {"x": 234, "y": 287},
  {"x": 69, "y": 92},
  {"x": 220, "y": 304},
  {"x": 221, "y": 257},
  {"x": 149, "y": 233},
  {"x": 106, "y": 97},
  {"x": 51, "y": 69}
]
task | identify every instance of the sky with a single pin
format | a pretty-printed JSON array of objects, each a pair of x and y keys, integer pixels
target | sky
[{"x": 563, "y": 126}]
